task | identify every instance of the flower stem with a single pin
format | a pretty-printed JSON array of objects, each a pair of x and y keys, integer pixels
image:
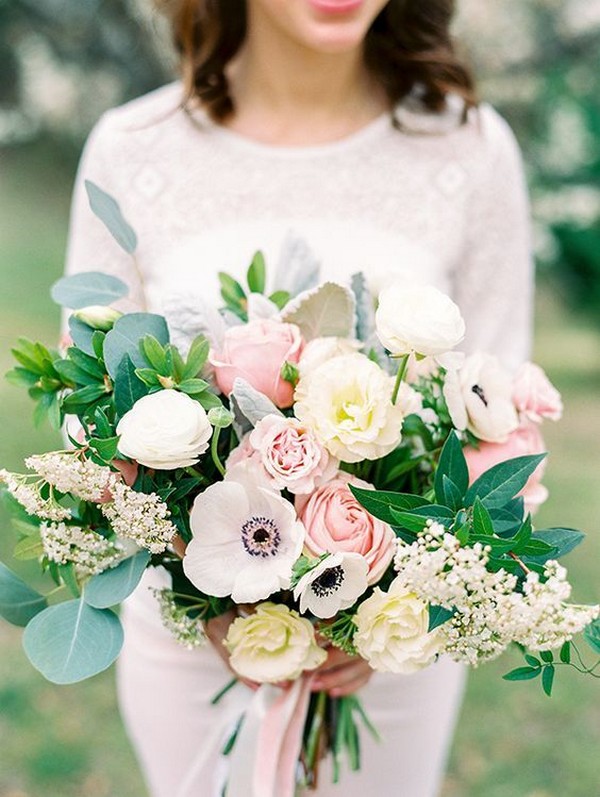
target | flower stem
[
  {"x": 222, "y": 692},
  {"x": 403, "y": 363},
  {"x": 214, "y": 450}
]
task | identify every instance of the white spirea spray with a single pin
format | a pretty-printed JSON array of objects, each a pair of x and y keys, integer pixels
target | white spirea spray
[
  {"x": 187, "y": 631},
  {"x": 141, "y": 517},
  {"x": 89, "y": 551},
  {"x": 28, "y": 495},
  {"x": 71, "y": 472}
]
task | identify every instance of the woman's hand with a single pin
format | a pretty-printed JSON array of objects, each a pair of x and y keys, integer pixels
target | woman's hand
[
  {"x": 216, "y": 631},
  {"x": 341, "y": 674}
]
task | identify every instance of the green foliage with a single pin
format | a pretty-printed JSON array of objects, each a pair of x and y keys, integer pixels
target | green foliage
[
  {"x": 438, "y": 615},
  {"x": 19, "y": 603},
  {"x": 502, "y": 482},
  {"x": 114, "y": 585},
  {"x": 72, "y": 641},
  {"x": 257, "y": 274},
  {"x": 592, "y": 635},
  {"x": 452, "y": 467},
  {"x": 128, "y": 387},
  {"x": 88, "y": 288},
  {"x": 125, "y": 336},
  {"x": 340, "y": 631},
  {"x": 108, "y": 211}
]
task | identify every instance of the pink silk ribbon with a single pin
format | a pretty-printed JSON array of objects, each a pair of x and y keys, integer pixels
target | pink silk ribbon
[{"x": 264, "y": 760}]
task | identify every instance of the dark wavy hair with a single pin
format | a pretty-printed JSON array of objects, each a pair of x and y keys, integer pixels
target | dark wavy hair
[{"x": 408, "y": 44}]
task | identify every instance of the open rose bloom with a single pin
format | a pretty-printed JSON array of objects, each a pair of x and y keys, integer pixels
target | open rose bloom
[{"x": 321, "y": 465}]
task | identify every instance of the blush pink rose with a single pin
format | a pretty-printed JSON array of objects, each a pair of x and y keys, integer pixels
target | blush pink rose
[
  {"x": 525, "y": 440},
  {"x": 336, "y": 522},
  {"x": 291, "y": 454},
  {"x": 535, "y": 396},
  {"x": 256, "y": 352}
]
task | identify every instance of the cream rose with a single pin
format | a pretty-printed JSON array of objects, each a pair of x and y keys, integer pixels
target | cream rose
[
  {"x": 348, "y": 403},
  {"x": 164, "y": 430},
  {"x": 273, "y": 644},
  {"x": 392, "y": 631},
  {"x": 336, "y": 523},
  {"x": 418, "y": 318},
  {"x": 479, "y": 398}
]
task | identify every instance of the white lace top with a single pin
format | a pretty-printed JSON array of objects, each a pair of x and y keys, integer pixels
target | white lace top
[{"x": 438, "y": 201}]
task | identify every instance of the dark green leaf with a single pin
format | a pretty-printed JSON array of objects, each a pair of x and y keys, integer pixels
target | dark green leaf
[
  {"x": 126, "y": 336},
  {"x": 547, "y": 656},
  {"x": 18, "y": 602},
  {"x": 148, "y": 376},
  {"x": 451, "y": 495},
  {"x": 522, "y": 674},
  {"x": 463, "y": 534},
  {"x": 453, "y": 465},
  {"x": 548, "y": 679},
  {"x": 414, "y": 520},
  {"x": 72, "y": 374},
  {"x": 257, "y": 274},
  {"x": 86, "y": 362},
  {"x": 128, "y": 388},
  {"x": 482, "y": 521},
  {"x": 80, "y": 399},
  {"x": 87, "y": 288},
  {"x": 564, "y": 540},
  {"x": 103, "y": 426},
  {"x": 565, "y": 653},
  {"x": 379, "y": 502},
  {"x": 532, "y": 661},
  {"x": 114, "y": 585},
  {"x": 591, "y": 635},
  {"x": 192, "y": 386},
  {"x": 106, "y": 448},
  {"x": 72, "y": 641},
  {"x": 498, "y": 485},
  {"x": 438, "y": 615},
  {"x": 98, "y": 339},
  {"x": 108, "y": 211}
]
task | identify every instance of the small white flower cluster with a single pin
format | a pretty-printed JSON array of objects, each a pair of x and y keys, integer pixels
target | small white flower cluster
[
  {"x": 186, "y": 630},
  {"x": 28, "y": 495},
  {"x": 540, "y": 618},
  {"x": 141, "y": 517},
  {"x": 71, "y": 473},
  {"x": 490, "y": 611},
  {"x": 89, "y": 551}
]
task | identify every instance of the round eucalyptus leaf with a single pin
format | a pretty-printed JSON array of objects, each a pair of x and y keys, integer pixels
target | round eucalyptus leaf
[
  {"x": 88, "y": 288},
  {"x": 72, "y": 641},
  {"x": 125, "y": 338},
  {"x": 114, "y": 585},
  {"x": 18, "y": 602}
]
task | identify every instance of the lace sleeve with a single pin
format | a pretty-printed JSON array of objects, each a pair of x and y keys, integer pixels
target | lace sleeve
[
  {"x": 90, "y": 246},
  {"x": 494, "y": 281}
]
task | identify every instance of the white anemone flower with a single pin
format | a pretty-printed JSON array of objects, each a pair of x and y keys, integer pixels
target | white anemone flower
[
  {"x": 246, "y": 540},
  {"x": 332, "y": 585}
]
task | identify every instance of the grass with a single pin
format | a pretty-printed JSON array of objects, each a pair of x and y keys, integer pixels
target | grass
[{"x": 512, "y": 741}]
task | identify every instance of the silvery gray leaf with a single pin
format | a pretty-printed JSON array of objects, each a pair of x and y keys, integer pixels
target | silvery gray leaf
[
  {"x": 365, "y": 319},
  {"x": 189, "y": 316},
  {"x": 253, "y": 404},
  {"x": 241, "y": 424},
  {"x": 298, "y": 268},
  {"x": 325, "y": 311},
  {"x": 260, "y": 307}
]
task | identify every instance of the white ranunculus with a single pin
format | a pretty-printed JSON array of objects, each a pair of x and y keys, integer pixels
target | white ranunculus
[
  {"x": 418, "y": 318},
  {"x": 322, "y": 350},
  {"x": 273, "y": 644},
  {"x": 348, "y": 403},
  {"x": 246, "y": 540},
  {"x": 164, "y": 430},
  {"x": 479, "y": 398},
  {"x": 392, "y": 631},
  {"x": 332, "y": 585}
]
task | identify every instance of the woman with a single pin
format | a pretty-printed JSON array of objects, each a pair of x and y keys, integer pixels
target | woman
[{"x": 352, "y": 125}]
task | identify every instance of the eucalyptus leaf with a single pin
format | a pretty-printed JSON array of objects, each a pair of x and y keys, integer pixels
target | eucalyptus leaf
[
  {"x": 30, "y": 547},
  {"x": 126, "y": 335},
  {"x": 591, "y": 635},
  {"x": 72, "y": 641},
  {"x": 18, "y": 602},
  {"x": 81, "y": 335},
  {"x": 114, "y": 585},
  {"x": 108, "y": 211},
  {"x": 88, "y": 288},
  {"x": 253, "y": 404}
]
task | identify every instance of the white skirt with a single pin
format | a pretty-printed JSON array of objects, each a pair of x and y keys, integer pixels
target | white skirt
[{"x": 164, "y": 696}]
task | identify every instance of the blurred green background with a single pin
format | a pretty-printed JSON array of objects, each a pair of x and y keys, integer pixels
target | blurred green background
[{"x": 62, "y": 62}]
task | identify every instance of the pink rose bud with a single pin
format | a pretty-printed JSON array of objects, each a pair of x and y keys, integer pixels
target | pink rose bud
[
  {"x": 256, "y": 352},
  {"x": 525, "y": 440},
  {"x": 336, "y": 523},
  {"x": 534, "y": 395}
]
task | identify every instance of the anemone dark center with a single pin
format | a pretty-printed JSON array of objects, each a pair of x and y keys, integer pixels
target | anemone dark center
[
  {"x": 328, "y": 582},
  {"x": 479, "y": 393},
  {"x": 260, "y": 536}
]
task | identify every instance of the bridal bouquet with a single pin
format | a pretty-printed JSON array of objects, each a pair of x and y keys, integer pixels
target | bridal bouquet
[{"x": 328, "y": 468}]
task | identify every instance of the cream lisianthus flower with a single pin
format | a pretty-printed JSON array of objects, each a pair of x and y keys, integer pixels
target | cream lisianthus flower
[
  {"x": 165, "y": 430},
  {"x": 246, "y": 540},
  {"x": 348, "y": 404},
  {"x": 332, "y": 585},
  {"x": 479, "y": 398},
  {"x": 419, "y": 319},
  {"x": 273, "y": 644},
  {"x": 392, "y": 631},
  {"x": 322, "y": 350}
]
